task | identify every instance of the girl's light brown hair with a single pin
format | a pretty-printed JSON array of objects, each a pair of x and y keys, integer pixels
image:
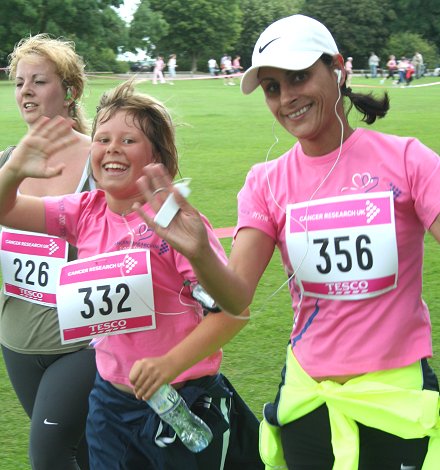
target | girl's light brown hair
[
  {"x": 69, "y": 67},
  {"x": 149, "y": 114}
]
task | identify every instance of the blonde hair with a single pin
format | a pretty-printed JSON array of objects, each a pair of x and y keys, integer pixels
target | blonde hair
[
  {"x": 149, "y": 114},
  {"x": 69, "y": 67}
]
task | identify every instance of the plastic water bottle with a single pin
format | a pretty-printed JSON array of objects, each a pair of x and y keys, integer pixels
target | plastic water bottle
[{"x": 171, "y": 407}]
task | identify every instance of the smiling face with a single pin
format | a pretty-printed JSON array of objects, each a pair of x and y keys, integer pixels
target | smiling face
[
  {"x": 38, "y": 89},
  {"x": 303, "y": 102},
  {"x": 120, "y": 150}
]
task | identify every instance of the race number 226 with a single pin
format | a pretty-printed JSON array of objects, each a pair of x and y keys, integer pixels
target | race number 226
[{"x": 30, "y": 273}]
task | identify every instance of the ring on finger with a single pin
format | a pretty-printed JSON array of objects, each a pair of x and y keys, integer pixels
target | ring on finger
[{"x": 158, "y": 190}]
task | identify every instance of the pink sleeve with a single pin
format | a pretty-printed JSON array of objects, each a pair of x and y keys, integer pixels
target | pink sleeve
[
  {"x": 252, "y": 207},
  {"x": 64, "y": 215},
  {"x": 423, "y": 173}
]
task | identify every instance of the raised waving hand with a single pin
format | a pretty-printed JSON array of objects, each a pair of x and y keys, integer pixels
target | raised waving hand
[
  {"x": 186, "y": 232},
  {"x": 31, "y": 158}
]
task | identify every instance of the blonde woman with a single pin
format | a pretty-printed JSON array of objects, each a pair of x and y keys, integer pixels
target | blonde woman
[{"x": 52, "y": 381}]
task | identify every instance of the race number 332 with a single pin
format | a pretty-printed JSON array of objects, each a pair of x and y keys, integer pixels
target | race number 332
[{"x": 106, "y": 294}]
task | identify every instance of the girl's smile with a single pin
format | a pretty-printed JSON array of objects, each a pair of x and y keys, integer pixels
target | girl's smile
[{"x": 120, "y": 150}]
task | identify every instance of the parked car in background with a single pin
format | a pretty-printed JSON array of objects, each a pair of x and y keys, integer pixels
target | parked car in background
[{"x": 146, "y": 65}]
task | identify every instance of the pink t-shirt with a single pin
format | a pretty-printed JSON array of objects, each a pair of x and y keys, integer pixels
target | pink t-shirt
[
  {"x": 86, "y": 222},
  {"x": 333, "y": 337},
  {"x": 159, "y": 65},
  {"x": 392, "y": 64}
]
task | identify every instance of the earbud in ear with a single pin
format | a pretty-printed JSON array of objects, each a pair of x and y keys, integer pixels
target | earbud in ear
[
  {"x": 338, "y": 73},
  {"x": 68, "y": 94}
]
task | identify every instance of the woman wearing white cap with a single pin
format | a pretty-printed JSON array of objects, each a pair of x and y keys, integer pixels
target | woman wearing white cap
[{"x": 348, "y": 209}]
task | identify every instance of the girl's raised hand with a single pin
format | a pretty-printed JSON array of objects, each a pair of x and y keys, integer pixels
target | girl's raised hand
[
  {"x": 31, "y": 158},
  {"x": 186, "y": 232}
]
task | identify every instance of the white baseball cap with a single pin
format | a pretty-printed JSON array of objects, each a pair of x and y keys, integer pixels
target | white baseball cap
[{"x": 292, "y": 43}]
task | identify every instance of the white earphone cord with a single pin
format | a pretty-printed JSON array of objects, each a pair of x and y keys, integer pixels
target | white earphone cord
[{"x": 341, "y": 141}]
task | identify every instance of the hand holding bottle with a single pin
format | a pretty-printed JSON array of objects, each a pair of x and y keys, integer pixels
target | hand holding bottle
[
  {"x": 145, "y": 375},
  {"x": 171, "y": 407},
  {"x": 149, "y": 373}
]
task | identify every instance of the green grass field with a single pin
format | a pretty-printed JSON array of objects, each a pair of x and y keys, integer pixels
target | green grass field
[{"x": 220, "y": 134}]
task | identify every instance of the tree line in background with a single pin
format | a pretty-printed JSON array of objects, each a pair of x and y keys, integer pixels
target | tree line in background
[{"x": 197, "y": 30}]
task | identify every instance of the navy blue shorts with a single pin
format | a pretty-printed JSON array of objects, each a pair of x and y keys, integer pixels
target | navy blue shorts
[{"x": 124, "y": 433}]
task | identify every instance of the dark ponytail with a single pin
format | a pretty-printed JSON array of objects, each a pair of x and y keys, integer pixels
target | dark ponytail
[
  {"x": 367, "y": 104},
  {"x": 370, "y": 106}
]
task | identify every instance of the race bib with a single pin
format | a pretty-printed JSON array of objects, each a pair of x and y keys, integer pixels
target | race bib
[
  {"x": 106, "y": 294},
  {"x": 344, "y": 247},
  {"x": 30, "y": 265}
]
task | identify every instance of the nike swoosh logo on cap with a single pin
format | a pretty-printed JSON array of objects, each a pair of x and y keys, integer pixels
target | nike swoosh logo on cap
[{"x": 261, "y": 49}]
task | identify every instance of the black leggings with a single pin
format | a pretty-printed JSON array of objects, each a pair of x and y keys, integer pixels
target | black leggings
[
  {"x": 307, "y": 446},
  {"x": 54, "y": 390}
]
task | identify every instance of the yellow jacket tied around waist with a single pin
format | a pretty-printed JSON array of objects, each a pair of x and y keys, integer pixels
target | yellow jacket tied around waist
[{"x": 388, "y": 400}]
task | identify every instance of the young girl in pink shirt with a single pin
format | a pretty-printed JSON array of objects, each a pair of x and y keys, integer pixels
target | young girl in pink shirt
[{"x": 176, "y": 340}]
